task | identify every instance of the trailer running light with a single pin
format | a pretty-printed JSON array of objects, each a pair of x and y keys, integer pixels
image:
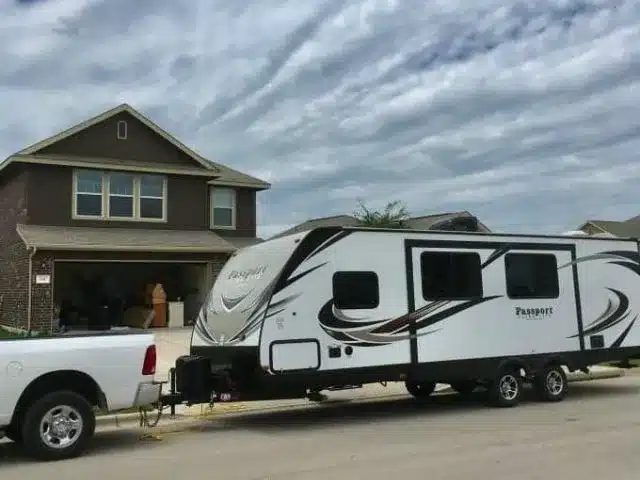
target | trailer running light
[{"x": 149, "y": 364}]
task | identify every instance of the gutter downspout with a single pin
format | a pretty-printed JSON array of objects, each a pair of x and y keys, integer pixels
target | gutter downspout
[{"x": 29, "y": 294}]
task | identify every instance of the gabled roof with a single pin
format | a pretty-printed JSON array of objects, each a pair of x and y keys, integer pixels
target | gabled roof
[
  {"x": 221, "y": 174},
  {"x": 122, "y": 108},
  {"x": 623, "y": 229}
]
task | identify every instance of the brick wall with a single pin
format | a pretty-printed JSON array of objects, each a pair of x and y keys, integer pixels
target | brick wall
[
  {"x": 215, "y": 266},
  {"x": 14, "y": 257},
  {"x": 42, "y": 294}
]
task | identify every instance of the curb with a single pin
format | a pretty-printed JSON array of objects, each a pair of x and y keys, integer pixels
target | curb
[{"x": 181, "y": 420}]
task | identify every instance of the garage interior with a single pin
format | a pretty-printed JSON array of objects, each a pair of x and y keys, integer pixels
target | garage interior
[{"x": 92, "y": 295}]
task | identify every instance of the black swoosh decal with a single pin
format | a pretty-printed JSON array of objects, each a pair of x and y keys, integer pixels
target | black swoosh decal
[
  {"x": 634, "y": 267},
  {"x": 401, "y": 323},
  {"x": 329, "y": 320},
  {"x": 332, "y": 241},
  {"x": 632, "y": 256},
  {"x": 231, "y": 303},
  {"x": 290, "y": 281},
  {"x": 393, "y": 329},
  {"x": 438, "y": 317},
  {"x": 496, "y": 255},
  {"x": 307, "y": 246},
  {"x": 623, "y": 335},
  {"x": 614, "y": 318}
]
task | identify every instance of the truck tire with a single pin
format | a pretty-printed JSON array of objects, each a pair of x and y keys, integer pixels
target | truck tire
[
  {"x": 58, "y": 426},
  {"x": 505, "y": 390},
  {"x": 420, "y": 390},
  {"x": 551, "y": 384},
  {"x": 14, "y": 434}
]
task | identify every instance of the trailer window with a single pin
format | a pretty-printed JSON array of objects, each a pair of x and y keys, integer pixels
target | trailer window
[
  {"x": 355, "y": 290},
  {"x": 450, "y": 275},
  {"x": 531, "y": 275}
]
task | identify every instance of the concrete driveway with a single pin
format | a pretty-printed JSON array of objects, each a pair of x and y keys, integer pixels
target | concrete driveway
[{"x": 594, "y": 433}]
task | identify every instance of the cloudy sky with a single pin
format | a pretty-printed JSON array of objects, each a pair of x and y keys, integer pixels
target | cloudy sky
[{"x": 524, "y": 113}]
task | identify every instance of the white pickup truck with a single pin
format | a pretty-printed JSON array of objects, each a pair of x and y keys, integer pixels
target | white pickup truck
[{"x": 51, "y": 387}]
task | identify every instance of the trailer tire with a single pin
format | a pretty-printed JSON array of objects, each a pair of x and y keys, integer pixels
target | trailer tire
[
  {"x": 420, "y": 390},
  {"x": 75, "y": 426},
  {"x": 505, "y": 390},
  {"x": 551, "y": 384}
]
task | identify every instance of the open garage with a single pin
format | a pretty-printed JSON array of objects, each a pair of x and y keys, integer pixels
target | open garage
[
  {"x": 89, "y": 278},
  {"x": 89, "y": 294}
]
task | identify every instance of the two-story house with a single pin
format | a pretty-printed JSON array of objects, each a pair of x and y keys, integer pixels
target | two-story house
[{"x": 96, "y": 214}]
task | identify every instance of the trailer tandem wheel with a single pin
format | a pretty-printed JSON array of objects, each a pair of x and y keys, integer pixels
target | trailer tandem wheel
[
  {"x": 551, "y": 384},
  {"x": 505, "y": 389}
]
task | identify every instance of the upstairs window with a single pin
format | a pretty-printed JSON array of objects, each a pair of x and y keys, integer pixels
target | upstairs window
[
  {"x": 356, "y": 290},
  {"x": 119, "y": 196},
  {"x": 531, "y": 275},
  {"x": 89, "y": 193},
  {"x": 451, "y": 275},
  {"x": 152, "y": 197},
  {"x": 223, "y": 207}
]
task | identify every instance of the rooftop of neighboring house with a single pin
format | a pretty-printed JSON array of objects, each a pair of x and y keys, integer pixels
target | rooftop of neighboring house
[
  {"x": 423, "y": 222},
  {"x": 623, "y": 228}
]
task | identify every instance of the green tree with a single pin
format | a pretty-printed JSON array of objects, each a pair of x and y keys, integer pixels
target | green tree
[{"x": 392, "y": 216}]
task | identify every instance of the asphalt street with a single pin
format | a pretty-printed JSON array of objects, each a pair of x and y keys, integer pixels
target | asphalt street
[{"x": 594, "y": 433}]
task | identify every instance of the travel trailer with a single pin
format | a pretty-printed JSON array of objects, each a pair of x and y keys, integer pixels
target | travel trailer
[{"x": 338, "y": 307}]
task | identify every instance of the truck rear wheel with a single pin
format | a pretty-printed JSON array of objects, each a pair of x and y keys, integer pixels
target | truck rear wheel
[
  {"x": 14, "y": 434},
  {"x": 58, "y": 426},
  {"x": 420, "y": 389},
  {"x": 551, "y": 383}
]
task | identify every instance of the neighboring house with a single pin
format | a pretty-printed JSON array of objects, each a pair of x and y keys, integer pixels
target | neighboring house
[
  {"x": 625, "y": 228},
  {"x": 446, "y": 221},
  {"x": 333, "y": 221},
  {"x": 116, "y": 197}
]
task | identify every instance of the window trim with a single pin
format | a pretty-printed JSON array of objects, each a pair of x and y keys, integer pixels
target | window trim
[
  {"x": 472, "y": 253},
  {"x": 368, "y": 272},
  {"x": 104, "y": 216},
  {"x": 212, "y": 207},
  {"x": 532, "y": 254}
]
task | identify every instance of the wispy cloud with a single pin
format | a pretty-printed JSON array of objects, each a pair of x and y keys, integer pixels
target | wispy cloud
[{"x": 524, "y": 113}]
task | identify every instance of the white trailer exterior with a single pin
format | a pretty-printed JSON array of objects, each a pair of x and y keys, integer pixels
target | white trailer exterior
[{"x": 340, "y": 306}]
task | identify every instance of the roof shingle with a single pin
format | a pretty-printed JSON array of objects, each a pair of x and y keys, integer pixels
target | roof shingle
[{"x": 122, "y": 239}]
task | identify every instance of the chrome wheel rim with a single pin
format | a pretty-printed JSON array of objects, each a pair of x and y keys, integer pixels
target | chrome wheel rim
[
  {"x": 61, "y": 427},
  {"x": 509, "y": 387},
  {"x": 555, "y": 382}
]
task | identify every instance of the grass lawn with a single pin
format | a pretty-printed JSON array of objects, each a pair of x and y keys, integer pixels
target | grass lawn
[{"x": 6, "y": 333}]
